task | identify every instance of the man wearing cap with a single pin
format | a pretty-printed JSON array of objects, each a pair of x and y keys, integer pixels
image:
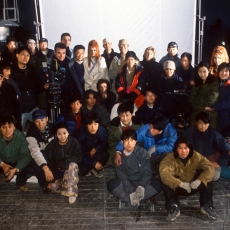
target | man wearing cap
[
  {"x": 31, "y": 44},
  {"x": 118, "y": 62},
  {"x": 40, "y": 133},
  {"x": 172, "y": 54},
  {"x": 109, "y": 53},
  {"x": 77, "y": 70},
  {"x": 66, "y": 39}
]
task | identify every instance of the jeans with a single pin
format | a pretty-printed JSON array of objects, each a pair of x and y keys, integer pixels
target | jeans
[{"x": 27, "y": 116}]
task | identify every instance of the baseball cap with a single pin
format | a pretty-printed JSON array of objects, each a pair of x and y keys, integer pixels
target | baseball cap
[
  {"x": 43, "y": 40},
  {"x": 30, "y": 41},
  {"x": 38, "y": 114},
  {"x": 172, "y": 44}
]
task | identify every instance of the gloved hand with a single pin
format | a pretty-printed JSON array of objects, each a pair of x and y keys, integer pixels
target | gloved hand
[
  {"x": 140, "y": 192},
  {"x": 151, "y": 150},
  {"x": 195, "y": 184},
  {"x": 133, "y": 199},
  {"x": 186, "y": 186}
]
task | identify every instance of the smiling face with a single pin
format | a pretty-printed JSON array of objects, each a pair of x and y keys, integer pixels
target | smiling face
[
  {"x": 224, "y": 73},
  {"x": 125, "y": 118},
  {"x": 79, "y": 54},
  {"x": 217, "y": 59},
  {"x": 183, "y": 150},
  {"x": 169, "y": 72},
  {"x": 7, "y": 130},
  {"x": 41, "y": 123},
  {"x": 62, "y": 135},
  {"x": 60, "y": 54}
]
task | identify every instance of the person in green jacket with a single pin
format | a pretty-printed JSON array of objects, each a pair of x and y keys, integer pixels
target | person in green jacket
[
  {"x": 204, "y": 94},
  {"x": 124, "y": 120},
  {"x": 14, "y": 152}
]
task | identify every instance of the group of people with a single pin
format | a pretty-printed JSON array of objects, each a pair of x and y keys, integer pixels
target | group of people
[{"x": 112, "y": 114}]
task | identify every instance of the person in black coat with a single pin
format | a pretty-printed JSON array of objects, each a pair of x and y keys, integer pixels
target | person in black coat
[{"x": 10, "y": 53}]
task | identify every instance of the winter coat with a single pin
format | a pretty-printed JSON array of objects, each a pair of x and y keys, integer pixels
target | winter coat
[
  {"x": 167, "y": 57},
  {"x": 204, "y": 95},
  {"x": 109, "y": 58},
  {"x": 173, "y": 171},
  {"x": 163, "y": 143},
  {"x": 134, "y": 168},
  {"x": 16, "y": 151}
]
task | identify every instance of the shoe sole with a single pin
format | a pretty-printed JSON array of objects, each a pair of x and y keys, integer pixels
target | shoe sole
[
  {"x": 211, "y": 217},
  {"x": 178, "y": 214}
]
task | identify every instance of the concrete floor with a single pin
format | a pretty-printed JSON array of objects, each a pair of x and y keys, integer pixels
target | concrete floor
[{"x": 96, "y": 209}]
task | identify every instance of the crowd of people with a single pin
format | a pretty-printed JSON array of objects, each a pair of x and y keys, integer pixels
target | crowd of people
[{"x": 115, "y": 111}]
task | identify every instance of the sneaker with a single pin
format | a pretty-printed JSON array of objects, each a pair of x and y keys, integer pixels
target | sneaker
[
  {"x": 146, "y": 205},
  {"x": 89, "y": 174},
  {"x": 208, "y": 210},
  {"x": 23, "y": 188},
  {"x": 97, "y": 173},
  {"x": 174, "y": 212},
  {"x": 72, "y": 199}
]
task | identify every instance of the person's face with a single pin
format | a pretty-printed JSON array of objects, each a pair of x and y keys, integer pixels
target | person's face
[
  {"x": 41, "y": 123},
  {"x": 62, "y": 135},
  {"x": 184, "y": 62},
  {"x": 79, "y": 54},
  {"x": 107, "y": 46},
  {"x": 169, "y": 72},
  {"x": 172, "y": 51},
  {"x": 7, "y": 130},
  {"x": 183, "y": 150},
  {"x": 92, "y": 51},
  {"x": 60, "y": 54},
  {"x": 103, "y": 88},
  {"x": 203, "y": 73},
  {"x": 129, "y": 144},
  {"x": 150, "y": 97},
  {"x": 125, "y": 118},
  {"x": 224, "y": 74},
  {"x": 6, "y": 73},
  {"x": 92, "y": 128},
  {"x": 123, "y": 48},
  {"x": 149, "y": 55},
  {"x": 153, "y": 131},
  {"x": 43, "y": 46},
  {"x": 201, "y": 126},
  {"x": 31, "y": 46},
  {"x": 66, "y": 40},
  {"x": 91, "y": 100},
  {"x": 75, "y": 106},
  {"x": 130, "y": 62},
  {"x": 217, "y": 59},
  {"x": 23, "y": 57},
  {"x": 11, "y": 46}
]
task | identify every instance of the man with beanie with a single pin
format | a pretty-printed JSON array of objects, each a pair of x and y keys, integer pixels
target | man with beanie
[
  {"x": 66, "y": 39},
  {"x": 172, "y": 54},
  {"x": 109, "y": 53},
  {"x": 77, "y": 70}
]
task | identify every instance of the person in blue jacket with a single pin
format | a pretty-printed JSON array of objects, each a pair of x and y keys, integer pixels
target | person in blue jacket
[{"x": 158, "y": 138}]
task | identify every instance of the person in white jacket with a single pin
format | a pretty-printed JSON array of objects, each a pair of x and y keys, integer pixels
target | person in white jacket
[{"x": 94, "y": 66}]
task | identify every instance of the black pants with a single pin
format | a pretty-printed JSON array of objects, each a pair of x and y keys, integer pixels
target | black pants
[{"x": 155, "y": 162}]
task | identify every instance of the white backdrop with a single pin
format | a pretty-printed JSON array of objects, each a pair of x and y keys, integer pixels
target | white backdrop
[{"x": 142, "y": 22}]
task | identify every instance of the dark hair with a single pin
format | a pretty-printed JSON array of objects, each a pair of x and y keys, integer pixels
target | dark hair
[
  {"x": 183, "y": 140},
  {"x": 223, "y": 65},
  {"x": 4, "y": 65},
  {"x": 61, "y": 125},
  {"x": 10, "y": 39},
  {"x": 150, "y": 89},
  {"x": 129, "y": 133},
  {"x": 125, "y": 107},
  {"x": 74, "y": 98},
  {"x": 78, "y": 47},
  {"x": 131, "y": 54},
  {"x": 188, "y": 55},
  {"x": 101, "y": 81},
  {"x": 90, "y": 91},
  {"x": 21, "y": 48},
  {"x": 65, "y": 34},
  {"x": 90, "y": 118},
  {"x": 159, "y": 121},
  {"x": 203, "y": 64},
  {"x": 59, "y": 45},
  {"x": 203, "y": 116},
  {"x": 7, "y": 119}
]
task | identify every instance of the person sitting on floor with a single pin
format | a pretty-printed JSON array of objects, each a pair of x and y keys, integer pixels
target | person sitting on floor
[
  {"x": 14, "y": 152},
  {"x": 93, "y": 138},
  {"x": 150, "y": 106},
  {"x": 186, "y": 172},
  {"x": 72, "y": 117},
  {"x": 63, "y": 154},
  {"x": 209, "y": 142},
  {"x": 124, "y": 120},
  {"x": 134, "y": 183}
]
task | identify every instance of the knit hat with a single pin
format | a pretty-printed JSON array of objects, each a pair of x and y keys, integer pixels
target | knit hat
[
  {"x": 39, "y": 114},
  {"x": 169, "y": 65},
  {"x": 123, "y": 42},
  {"x": 172, "y": 45},
  {"x": 30, "y": 41},
  {"x": 107, "y": 40},
  {"x": 43, "y": 40},
  {"x": 130, "y": 54}
]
